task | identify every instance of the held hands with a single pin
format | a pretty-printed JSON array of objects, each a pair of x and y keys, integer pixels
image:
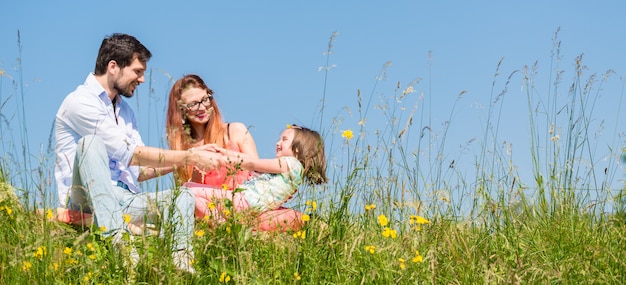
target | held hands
[
  {"x": 206, "y": 159},
  {"x": 213, "y": 156},
  {"x": 208, "y": 147}
]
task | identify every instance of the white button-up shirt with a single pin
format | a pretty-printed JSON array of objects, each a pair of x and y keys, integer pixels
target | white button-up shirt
[{"x": 89, "y": 111}]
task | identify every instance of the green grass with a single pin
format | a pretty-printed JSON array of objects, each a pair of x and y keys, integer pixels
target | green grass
[{"x": 492, "y": 228}]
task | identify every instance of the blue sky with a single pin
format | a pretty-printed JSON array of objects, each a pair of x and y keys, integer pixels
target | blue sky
[{"x": 265, "y": 60}]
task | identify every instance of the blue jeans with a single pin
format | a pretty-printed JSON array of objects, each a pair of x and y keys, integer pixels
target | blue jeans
[{"x": 92, "y": 191}]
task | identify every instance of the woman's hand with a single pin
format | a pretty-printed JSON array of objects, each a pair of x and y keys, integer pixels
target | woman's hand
[{"x": 208, "y": 147}]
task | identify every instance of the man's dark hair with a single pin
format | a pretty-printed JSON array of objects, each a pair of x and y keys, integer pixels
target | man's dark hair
[{"x": 123, "y": 49}]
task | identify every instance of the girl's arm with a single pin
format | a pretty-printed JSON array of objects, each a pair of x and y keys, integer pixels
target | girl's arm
[
  {"x": 266, "y": 165},
  {"x": 247, "y": 162}
]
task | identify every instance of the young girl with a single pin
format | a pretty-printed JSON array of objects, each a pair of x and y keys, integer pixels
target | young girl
[{"x": 299, "y": 157}]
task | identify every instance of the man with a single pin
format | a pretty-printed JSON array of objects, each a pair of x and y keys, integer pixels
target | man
[{"x": 100, "y": 154}]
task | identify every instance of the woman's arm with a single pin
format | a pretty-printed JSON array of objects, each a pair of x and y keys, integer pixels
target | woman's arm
[{"x": 241, "y": 136}]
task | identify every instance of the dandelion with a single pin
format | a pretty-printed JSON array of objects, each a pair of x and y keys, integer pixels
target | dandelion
[
  {"x": 418, "y": 257},
  {"x": 67, "y": 251},
  {"x": 211, "y": 205},
  {"x": 92, "y": 256},
  {"x": 347, "y": 134},
  {"x": 40, "y": 253},
  {"x": 370, "y": 207},
  {"x": 49, "y": 214},
  {"x": 126, "y": 218},
  {"x": 87, "y": 277},
  {"x": 226, "y": 212},
  {"x": 54, "y": 266},
  {"x": 299, "y": 234},
  {"x": 71, "y": 261},
  {"x": 402, "y": 265},
  {"x": 224, "y": 278},
  {"x": 103, "y": 228},
  {"x": 370, "y": 248},
  {"x": 296, "y": 276},
  {"x": 91, "y": 247},
  {"x": 382, "y": 220},
  {"x": 199, "y": 233},
  {"x": 306, "y": 218},
  {"x": 418, "y": 220},
  {"x": 313, "y": 204},
  {"x": 388, "y": 232},
  {"x": 8, "y": 210},
  {"x": 227, "y": 229},
  {"x": 26, "y": 266}
]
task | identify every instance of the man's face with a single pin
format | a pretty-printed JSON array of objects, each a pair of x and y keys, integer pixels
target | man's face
[{"x": 129, "y": 77}]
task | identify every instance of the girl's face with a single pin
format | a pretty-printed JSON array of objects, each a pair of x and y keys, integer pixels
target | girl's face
[
  {"x": 196, "y": 104},
  {"x": 283, "y": 146}
]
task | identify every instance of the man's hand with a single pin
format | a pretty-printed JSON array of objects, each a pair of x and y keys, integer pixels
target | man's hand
[{"x": 207, "y": 160}]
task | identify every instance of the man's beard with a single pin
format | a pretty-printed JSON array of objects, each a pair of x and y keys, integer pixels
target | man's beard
[{"x": 126, "y": 91}]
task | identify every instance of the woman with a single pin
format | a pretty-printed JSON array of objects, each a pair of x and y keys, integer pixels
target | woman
[{"x": 194, "y": 119}]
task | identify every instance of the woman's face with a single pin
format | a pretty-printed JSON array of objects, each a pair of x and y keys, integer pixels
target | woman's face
[{"x": 196, "y": 104}]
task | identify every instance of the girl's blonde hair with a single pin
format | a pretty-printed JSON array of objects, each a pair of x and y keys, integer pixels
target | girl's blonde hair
[
  {"x": 180, "y": 135},
  {"x": 308, "y": 148}
]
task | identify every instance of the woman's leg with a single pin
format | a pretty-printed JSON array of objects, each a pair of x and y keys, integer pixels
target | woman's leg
[
  {"x": 281, "y": 219},
  {"x": 209, "y": 201}
]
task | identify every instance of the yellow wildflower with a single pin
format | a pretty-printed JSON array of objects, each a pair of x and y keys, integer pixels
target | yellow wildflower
[
  {"x": 418, "y": 257},
  {"x": 40, "y": 253},
  {"x": 103, "y": 228},
  {"x": 370, "y": 248},
  {"x": 92, "y": 256},
  {"x": 224, "y": 278},
  {"x": 347, "y": 134},
  {"x": 54, "y": 266},
  {"x": 87, "y": 277},
  {"x": 8, "y": 210},
  {"x": 126, "y": 218},
  {"x": 228, "y": 229},
  {"x": 402, "y": 265},
  {"x": 306, "y": 218},
  {"x": 67, "y": 251},
  {"x": 313, "y": 205},
  {"x": 299, "y": 234},
  {"x": 226, "y": 212},
  {"x": 296, "y": 276},
  {"x": 388, "y": 232},
  {"x": 90, "y": 247},
  {"x": 49, "y": 214},
  {"x": 224, "y": 186},
  {"x": 26, "y": 266},
  {"x": 211, "y": 205},
  {"x": 418, "y": 220},
  {"x": 370, "y": 207},
  {"x": 382, "y": 220},
  {"x": 199, "y": 233}
]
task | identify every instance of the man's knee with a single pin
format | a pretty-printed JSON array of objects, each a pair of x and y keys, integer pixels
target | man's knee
[{"x": 89, "y": 143}]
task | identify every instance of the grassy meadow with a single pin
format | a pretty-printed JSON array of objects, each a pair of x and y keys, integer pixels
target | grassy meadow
[{"x": 394, "y": 212}]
